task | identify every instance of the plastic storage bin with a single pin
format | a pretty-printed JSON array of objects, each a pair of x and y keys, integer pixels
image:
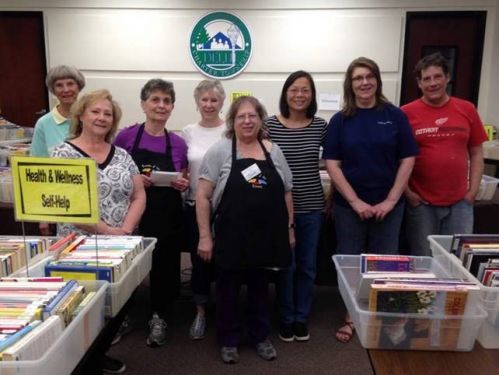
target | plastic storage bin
[
  {"x": 65, "y": 353},
  {"x": 489, "y": 332},
  {"x": 118, "y": 293},
  {"x": 121, "y": 291},
  {"x": 380, "y": 330},
  {"x": 488, "y": 186}
]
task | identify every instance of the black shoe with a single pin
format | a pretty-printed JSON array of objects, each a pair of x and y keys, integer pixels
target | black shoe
[
  {"x": 112, "y": 365},
  {"x": 286, "y": 333},
  {"x": 301, "y": 331}
]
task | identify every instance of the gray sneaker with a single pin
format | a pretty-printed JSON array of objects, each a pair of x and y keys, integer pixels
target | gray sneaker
[
  {"x": 198, "y": 327},
  {"x": 157, "y": 331},
  {"x": 229, "y": 354},
  {"x": 125, "y": 328},
  {"x": 266, "y": 350}
]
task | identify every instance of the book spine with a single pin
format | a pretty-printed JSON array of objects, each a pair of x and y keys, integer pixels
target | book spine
[
  {"x": 52, "y": 305},
  {"x": 79, "y": 272},
  {"x": 18, "y": 335}
]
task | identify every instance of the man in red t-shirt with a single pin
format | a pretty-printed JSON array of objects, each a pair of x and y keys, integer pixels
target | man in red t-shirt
[{"x": 447, "y": 172}]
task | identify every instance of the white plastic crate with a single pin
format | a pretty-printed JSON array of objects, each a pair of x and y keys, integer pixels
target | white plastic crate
[
  {"x": 488, "y": 186},
  {"x": 489, "y": 332},
  {"x": 121, "y": 291},
  {"x": 117, "y": 294},
  {"x": 66, "y": 352},
  {"x": 381, "y": 330}
]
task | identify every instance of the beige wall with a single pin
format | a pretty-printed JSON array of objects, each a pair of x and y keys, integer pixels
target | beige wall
[{"x": 120, "y": 44}]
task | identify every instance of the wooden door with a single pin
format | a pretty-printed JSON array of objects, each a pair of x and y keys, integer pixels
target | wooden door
[
  {"x": 23, "y": 94},
  {"x": 458, "y": 36}
]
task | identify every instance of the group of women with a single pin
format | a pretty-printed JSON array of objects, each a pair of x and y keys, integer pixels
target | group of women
[{"x": 253, "y": 198}]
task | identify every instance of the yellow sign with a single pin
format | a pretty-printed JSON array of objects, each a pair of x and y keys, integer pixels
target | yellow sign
[
  {"x": 236, "y": 94},
  {"x": 489, "y": 129},
  {"x": 55, "y": 190}
]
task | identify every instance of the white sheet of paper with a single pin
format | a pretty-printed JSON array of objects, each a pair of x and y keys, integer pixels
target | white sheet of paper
[
  {"x": 329, "y": 102},
  {"x": 160, "y": 178}
]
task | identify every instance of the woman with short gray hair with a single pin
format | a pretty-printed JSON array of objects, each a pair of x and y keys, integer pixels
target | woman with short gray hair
[
  {"x": 65, "y": 83},
  {"x": 209, "y": 95}
]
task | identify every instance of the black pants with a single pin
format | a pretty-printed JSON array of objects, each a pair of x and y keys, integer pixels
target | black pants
[
  {"x": 164, "y": 277},
  {"x": 202, "y": 272}
]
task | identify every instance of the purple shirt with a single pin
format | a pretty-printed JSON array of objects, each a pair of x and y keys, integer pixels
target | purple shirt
[{"x": 126, "y": 139}]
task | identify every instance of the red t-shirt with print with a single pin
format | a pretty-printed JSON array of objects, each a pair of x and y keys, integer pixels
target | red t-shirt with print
[{"x": 444, "y": 135}]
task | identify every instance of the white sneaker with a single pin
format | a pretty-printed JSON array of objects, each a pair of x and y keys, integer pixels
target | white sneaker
[{"x": 198, "y": 327}]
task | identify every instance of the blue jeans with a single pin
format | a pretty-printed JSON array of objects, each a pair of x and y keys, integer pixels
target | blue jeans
[
  {"x": 425, "y": 220},
  {"x": 355, "y": 236},
  {"x": 295, "y": 284}
]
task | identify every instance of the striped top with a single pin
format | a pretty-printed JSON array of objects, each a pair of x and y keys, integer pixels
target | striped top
[{"x": 301, "y": 149}]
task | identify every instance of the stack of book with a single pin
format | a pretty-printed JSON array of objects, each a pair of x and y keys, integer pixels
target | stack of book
[
  {"x": 15, "y": 252},
  {"x": 479, "y": 254},
  {"x": 374, "y": 267},
  {"x": 34, "y": 312},
  {"x": 423, "y": 310},
  {"x": 95, "y": 258}
]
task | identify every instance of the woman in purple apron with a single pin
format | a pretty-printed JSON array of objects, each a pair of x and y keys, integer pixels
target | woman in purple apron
[{"x": 153, "y": 148}]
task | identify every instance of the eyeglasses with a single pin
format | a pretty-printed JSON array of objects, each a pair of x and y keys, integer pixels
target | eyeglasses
[
  {"x": 242, "y": 117},
  {"x": 368, "y": 77}
]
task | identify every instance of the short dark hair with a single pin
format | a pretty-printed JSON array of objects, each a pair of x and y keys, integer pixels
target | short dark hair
[
  {"x": 157, "y": 84},
  {"x": 435, "y": 59},
  {"x": 283, "y": 102}
]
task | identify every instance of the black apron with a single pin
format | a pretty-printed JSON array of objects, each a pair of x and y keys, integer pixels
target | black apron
[
  {"x": 163, "y": 212},
  {"x": 251, "y": 221}
]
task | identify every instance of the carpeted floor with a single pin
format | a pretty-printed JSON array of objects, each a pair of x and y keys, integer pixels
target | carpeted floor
[{"x": 321, "y": 355}]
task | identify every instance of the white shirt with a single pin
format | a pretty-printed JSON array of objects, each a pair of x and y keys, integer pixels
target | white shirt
[{"x": 199, "y": 139}]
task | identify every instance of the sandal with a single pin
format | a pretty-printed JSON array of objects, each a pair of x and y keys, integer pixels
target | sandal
[{"x": 345, "y": 333}]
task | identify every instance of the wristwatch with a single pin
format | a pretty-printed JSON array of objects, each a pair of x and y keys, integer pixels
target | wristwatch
[{"x": 291, "y": 226}]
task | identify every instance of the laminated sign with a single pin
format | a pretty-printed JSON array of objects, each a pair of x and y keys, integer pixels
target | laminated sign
[{"x": 55, "y": 190}]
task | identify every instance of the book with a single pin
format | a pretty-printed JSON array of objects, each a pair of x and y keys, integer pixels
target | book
[
  {"x": 55, "y": 302},
  {"x": 18, "y": 335},
  {"x": 79, "y": 272},
  {"x": 367, "y": 278},
  {"x": 86, "y": 300},
  {"x": 31, "y": 279},
  {"x": 418, "y": 299},
  {"x": 459, "y": 240},
  {"x": 66, "y": 309},
  {"x": 36, "y": 342},
  {"x": 384, "y": 263}
]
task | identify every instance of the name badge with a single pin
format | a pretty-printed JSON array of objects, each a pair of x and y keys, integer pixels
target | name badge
[{"x": 250, "y": 172}]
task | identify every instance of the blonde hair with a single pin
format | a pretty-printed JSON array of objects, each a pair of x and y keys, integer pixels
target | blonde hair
[{"x": 82, "y": 104}]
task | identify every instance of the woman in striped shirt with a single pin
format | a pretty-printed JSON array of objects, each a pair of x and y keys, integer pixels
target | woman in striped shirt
[{"x": 299, "y": 133}]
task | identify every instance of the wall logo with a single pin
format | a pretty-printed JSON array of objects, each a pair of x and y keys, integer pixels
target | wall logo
[{"x": 220, "y": 45}]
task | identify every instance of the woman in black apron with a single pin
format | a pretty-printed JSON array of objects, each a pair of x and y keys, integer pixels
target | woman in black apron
[
  {"x": 249, "y": 182},
  {"x": 150, "y": 146}
]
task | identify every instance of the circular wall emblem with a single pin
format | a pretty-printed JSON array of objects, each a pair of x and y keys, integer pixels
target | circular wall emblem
[{"x": 220, "y": 45}]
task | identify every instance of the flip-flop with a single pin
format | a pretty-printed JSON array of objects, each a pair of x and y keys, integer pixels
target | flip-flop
[{"x": 346, "y": 332}]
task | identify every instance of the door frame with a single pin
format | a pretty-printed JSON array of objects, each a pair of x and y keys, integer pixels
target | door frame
[{"x": 476, "y": 64}]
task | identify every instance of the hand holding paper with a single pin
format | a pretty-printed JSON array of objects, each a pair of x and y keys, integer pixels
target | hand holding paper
[{"x": 160, "y": 178}]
